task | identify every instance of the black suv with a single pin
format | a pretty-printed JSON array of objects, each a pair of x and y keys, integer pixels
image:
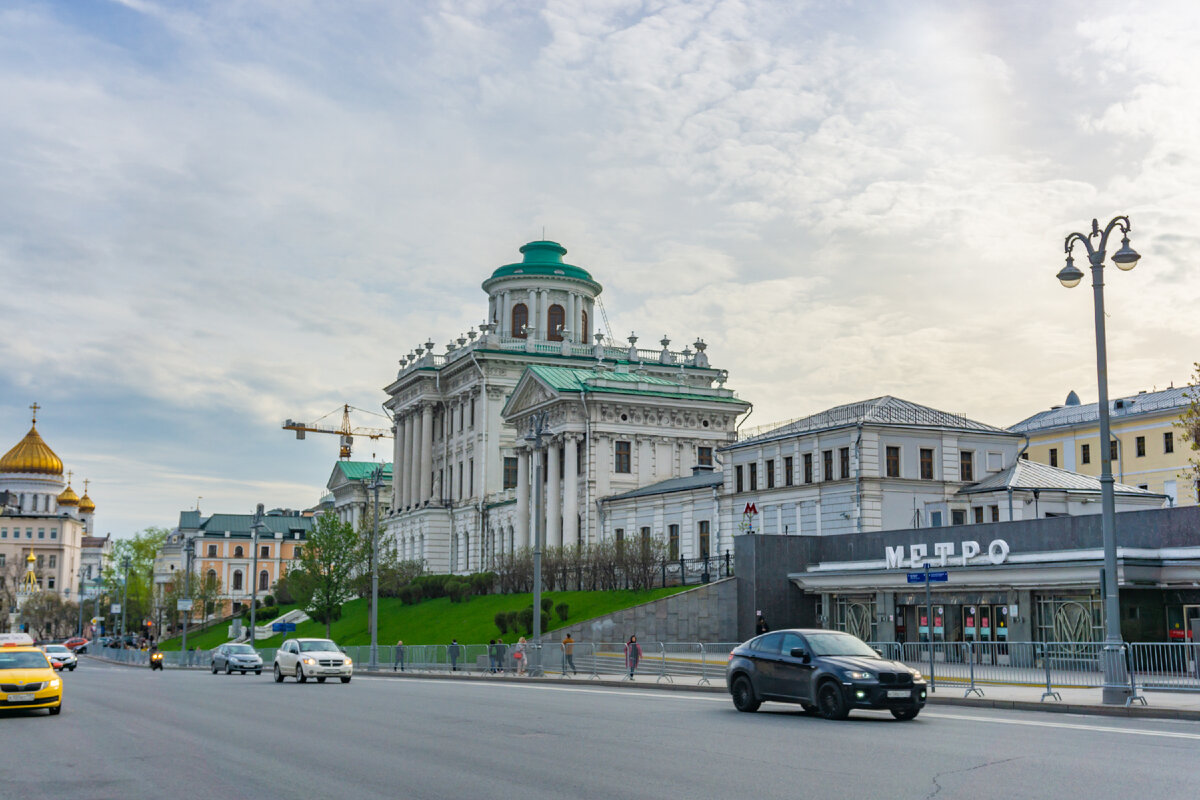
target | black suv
[{"x": 827, "y": 672}]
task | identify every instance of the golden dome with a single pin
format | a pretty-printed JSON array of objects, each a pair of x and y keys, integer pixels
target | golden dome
[
  {"x": 86, "y": 506},
  {"x": 68, "y": 497},
  {"x": 31, "y": 454}
]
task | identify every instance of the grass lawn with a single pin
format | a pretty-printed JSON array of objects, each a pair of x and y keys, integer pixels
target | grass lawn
[
  {"x": 214, "y": 636},
  {"x": 438, "y": 621}
]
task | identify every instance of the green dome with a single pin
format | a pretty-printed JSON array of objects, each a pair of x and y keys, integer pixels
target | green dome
[{"x": 542, "y": 258}]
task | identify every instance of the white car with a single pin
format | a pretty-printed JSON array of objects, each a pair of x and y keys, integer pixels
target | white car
[
  {"x": 312, "y": 658},
  {"x": 61, "y": 656}
]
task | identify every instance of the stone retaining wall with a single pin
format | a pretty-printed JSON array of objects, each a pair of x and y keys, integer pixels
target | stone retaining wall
[{"x": 707, "y": 613}]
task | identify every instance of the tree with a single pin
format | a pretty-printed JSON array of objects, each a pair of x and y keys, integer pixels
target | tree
[
  {"x": 322, "y": 579},
  {"x": 47, "y": 614},
  {"x": 1189, "y": 421},
  {"x": 138, "y": 594}
]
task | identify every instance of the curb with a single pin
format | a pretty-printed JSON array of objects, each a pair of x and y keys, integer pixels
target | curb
[{"x": 1127, "y": 712}]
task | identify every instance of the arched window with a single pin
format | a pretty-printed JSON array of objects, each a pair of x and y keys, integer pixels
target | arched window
[
  {"x": 211, "y": 577},
  {"x": 520, "y": 318},
  {"x": 584, "y": 335},
  {"x": 264, "y": 581},
  {"x": 238, "y": 552},
  {"x": 556, "y": 320},
  {"x": 237, "y": 580}
]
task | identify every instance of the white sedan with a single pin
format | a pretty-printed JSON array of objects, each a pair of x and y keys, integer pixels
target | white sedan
[
  {"x": 61, "y": 656},
  {"x": 312, "y": 658}
]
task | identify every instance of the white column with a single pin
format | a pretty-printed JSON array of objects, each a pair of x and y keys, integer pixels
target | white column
[
  {"x": 427, "y": 452},
  {"x": 553, "y": 493},
  {"x": 570, "y": 513},
  {"x": 505, "y": 314},
  {"x": 397, "y": 462},
  {"x": 414, "y": 460},
  {"x": 521, "y": 534},
  {"x": 531, "y": 313},
  {"x": 405, "y": 462}
]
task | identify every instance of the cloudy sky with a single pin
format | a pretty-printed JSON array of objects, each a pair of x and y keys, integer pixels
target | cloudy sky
[{"x": 216, "y": 215}]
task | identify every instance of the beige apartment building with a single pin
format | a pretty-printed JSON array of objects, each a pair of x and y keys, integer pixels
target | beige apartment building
[{"x": 1147, "y": 448}]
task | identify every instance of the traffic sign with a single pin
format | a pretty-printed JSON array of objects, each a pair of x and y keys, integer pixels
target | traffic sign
[
  {"x": 283, "y": 627},
  {"x": 115, "y": 609},
  {"x": 183, "y": 605},
  {"x": 934, "y": 577}
]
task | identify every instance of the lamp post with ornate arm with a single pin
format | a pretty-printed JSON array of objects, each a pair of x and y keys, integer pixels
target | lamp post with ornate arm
[
  {"x": 256, "y": 527},
  {"x": 537, "y": 430},
  {"x": 376, "y": 484},
  {"x": 1116, "y": 688}
]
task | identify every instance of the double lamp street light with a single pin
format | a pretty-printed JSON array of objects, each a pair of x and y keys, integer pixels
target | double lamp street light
[{"x": 1116, "y": 688}]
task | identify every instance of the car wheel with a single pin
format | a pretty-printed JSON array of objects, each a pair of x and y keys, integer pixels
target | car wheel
[
  {"x": 214, "y": 668},
  {"x": 54, "y": 712},
  {"x": 905, "y": 714},
  {"x": 320, "y": 680},
  {"x": 258, "y": 671},
  {"x": 278, "y": 674},
  {"x": 830, "y": 701},
  {"x": 72, "y": 668},
  {"x": 300, "y": 676},
  {"x": 228, "y": 668},
  {"x": 743, "y": 695},
  {"x": 346, "y": 679}
]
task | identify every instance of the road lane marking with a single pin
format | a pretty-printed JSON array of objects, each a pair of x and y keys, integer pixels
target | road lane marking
[{"x": 598, "y": 690}]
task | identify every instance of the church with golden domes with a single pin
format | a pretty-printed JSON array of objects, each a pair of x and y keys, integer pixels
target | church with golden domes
[{"x": 40, "y": 515}]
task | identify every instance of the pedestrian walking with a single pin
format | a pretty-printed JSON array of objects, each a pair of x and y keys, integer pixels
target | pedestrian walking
[
  {"x": 633, "y": 654},
  {"x": 453, "y": 652},
  {"x": 399, "y": 662},
  {"x": 568, "y": 645},
  {"x": 519, "y": 655},
  {"x": 761, "y": 626},
  {"x": 492, "y": 655}
]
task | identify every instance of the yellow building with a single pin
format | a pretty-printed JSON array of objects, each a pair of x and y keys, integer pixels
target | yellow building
[{"x": 1148, "y": 450}]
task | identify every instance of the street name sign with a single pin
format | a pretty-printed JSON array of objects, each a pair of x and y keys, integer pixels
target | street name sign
[
  {"x": 934, "y": 577},
  {"x": 283, "y": 627}
]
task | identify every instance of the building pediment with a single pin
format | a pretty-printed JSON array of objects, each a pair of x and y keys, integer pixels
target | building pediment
[{"x": 530, "y": 393}]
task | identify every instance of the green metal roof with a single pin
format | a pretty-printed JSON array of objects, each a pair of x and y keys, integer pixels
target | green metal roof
[
  {"x": 565, "y": 379},
  {"x": 363, "y": 470},
  {"x": 239, "y": 524},
  {"x": 543, "y": 258}
]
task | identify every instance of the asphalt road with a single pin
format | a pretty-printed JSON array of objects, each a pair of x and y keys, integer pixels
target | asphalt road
[{"x": 131, "y": 733}]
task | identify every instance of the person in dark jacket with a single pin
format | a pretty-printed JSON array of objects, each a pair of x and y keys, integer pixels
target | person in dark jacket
[
  {"x": 453, "y": 653},
  {"x": 633, "y": 654},
  {"x": 498, "y": 651},
  {"x": 399, "y": 662}
]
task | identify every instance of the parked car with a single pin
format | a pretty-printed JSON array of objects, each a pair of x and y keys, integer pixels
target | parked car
[
  {"x": 312, "y": 658},
  {"x": 77, "y": 644},
  {"x": 60, "y": 656},
  {"x": 236, "y": 658},
  {"x": 827, "y": 672}
]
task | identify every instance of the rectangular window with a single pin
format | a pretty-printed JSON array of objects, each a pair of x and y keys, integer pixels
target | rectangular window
[
  {"x": 704, "y": 456},
  {"x": 3, "y": 533},
  {"x": 703, "y": 531},
  {"x": 737, "y": 479},
  {"x": 673, "y": 542},
  {"x": 958, "y": 516},
  {"x": 50, "y": 582},
  {"x": 1054, "y": 456},
  {"x": 787, "y": 471},
  {"x": 53, "y": 560},
  {"x": 966, "y": 463},
  {"x": 462, "y": 408},
  {"x": 471, "y": 477},
  {"x": 1140, "y": 443},
  {"x": 770, "y": 465},
  {"x": 41, "y": 533},
  {"x": 893, "y": 462},
  {"x": 1112, "y": 450},
  {"x": 29, "y": 533},
  {"x": 1168, "y": 442},
  {"x": 619, "y": 535},
  {"x": 510, "y": 472},
  {"x": 460, "y": 480},
  {"x": 624, "y": 458},
  {"x": 449, "y": 421},
  {"x": 844, "y": 463},
  {"x": 1085, "y": 454},
  {"x": 827, "y": 465},
  {"x": 41, "y": 560},
  {"x": 926, "y": 463},
  {"x": 54, "y": 533},
  {"x": 212, "y": 551},
  {"x": 264, "y": 551},
  {"x": 808, "y": 468},
  {"x": 2, "y": 558},
  {"x": 754, "y": 476},
  {"x": 978, "y": 515},
  {"x": 472, "y": 412},
  {"x": 995, "y": 513}
]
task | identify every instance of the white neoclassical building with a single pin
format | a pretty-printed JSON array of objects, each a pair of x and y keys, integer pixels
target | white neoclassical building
[{"x": 459, "y": 462}]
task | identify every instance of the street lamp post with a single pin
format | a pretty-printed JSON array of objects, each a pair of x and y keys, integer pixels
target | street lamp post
[
  {"x": 1116, "y": 689},
  {"x": 537, "y": 429},
  {"x": 376, "y": 483},
  {"x": 255, "y": 528},
  {"x": 99, "y": 591},
  {"x": 188, "y": 550},
  {"x": 79, "y": 574},
  {"x": 124, "y": 595}
]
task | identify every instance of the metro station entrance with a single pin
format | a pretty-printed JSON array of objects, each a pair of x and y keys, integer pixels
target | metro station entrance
[{"x": 1180, "y": 620}]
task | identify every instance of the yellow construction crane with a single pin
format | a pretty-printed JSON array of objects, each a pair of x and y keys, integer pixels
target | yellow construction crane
[{"x": 345, "y": 432}]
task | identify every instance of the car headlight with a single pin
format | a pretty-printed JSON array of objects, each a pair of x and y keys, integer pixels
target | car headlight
[
  {"x": 309, "y": 661},
  {"x": 349, "y": 662},
  {"x": 916, "y": 673},
  {"x": 54, "y": 684},
  {"x": 860, "y": 676}
]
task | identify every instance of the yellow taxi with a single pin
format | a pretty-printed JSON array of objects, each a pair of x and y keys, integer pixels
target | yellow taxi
[{"x": 27, "y": 680}]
